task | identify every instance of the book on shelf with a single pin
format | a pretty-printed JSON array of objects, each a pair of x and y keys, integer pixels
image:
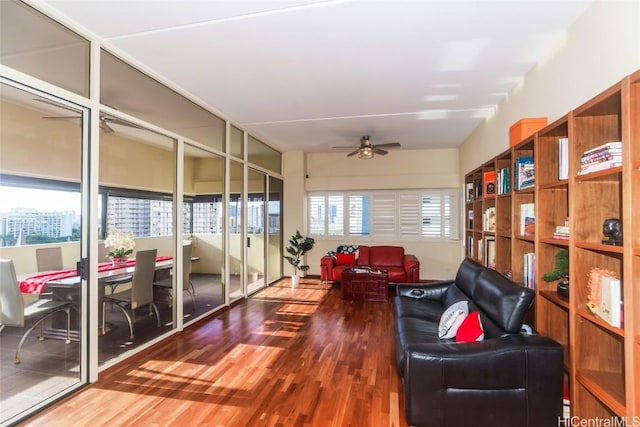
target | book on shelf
[
  {"x": 609, "y": 309},
  {"x": 563, "y": 158},
  {"x": 489, "y": 219},
  {"x": 602, "y": 157},
  {"x": 469, "y": 191},
  {"x": 490, "y": 257},
  {"x": 477, "y": 189},
  {"x": 470, "y": 219},
  {"x": 480, "y": 250},
  {"x": 470, "y": 246},
  {"x": 529, "y": 270},
  {"x": 561, "y": 232},
  {"x": 527, "y": 219},
  {"x": 524, "y": 173},
  {"x": 489, "y": 181},
  {"x": 502, "y": 180}
]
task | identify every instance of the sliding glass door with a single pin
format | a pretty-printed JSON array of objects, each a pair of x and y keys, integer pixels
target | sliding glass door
[
  {"x": 44, "y": 234},
  {"x": 204, "y": 229},
  {"x": 256, "y": 230}
]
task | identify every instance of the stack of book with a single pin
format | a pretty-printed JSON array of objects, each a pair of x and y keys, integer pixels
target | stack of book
[
  {"x": 562, "y": 231},
  {"x": 602, "y": 157},
  {"x": 489, "y": 219}
]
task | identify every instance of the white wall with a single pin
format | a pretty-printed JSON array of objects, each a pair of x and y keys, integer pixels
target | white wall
[{"x": 601, "y": 48}]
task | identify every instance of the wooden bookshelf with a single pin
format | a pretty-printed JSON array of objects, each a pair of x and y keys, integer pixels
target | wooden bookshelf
[{"x": 602, "y": 362}]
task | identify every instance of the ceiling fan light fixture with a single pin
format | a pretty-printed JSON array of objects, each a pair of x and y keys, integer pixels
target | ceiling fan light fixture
[{"x": 365, "y": 153}]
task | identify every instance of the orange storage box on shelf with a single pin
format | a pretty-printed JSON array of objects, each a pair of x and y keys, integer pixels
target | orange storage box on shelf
[{"x": 524, "y": 128}]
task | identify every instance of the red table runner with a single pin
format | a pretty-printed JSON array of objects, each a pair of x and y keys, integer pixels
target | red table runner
[{"x": 37, "y": 283}]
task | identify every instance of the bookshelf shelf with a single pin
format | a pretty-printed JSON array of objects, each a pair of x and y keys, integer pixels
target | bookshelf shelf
[
  {"x": 599, "y": 247},
  {"x": 602, "y": 362},
  {"x": 607, "y": 387},
  {"x": 554, "y": 241}
]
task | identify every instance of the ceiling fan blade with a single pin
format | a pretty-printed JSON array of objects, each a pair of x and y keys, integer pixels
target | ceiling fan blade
[
  {"x": 105, "y": 127},
  {"x": 353, "y": 153},
  {"x": 118, "y": 122},
  {"x": 343, "y": 146},
  {"x": 379, "y": 151},
  {"x": 388, "y": 145}
]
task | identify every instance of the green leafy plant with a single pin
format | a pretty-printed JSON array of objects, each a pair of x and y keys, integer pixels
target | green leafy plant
[
  {"x": 298, "y": 246},
  {"x": 561, "y": 269}
]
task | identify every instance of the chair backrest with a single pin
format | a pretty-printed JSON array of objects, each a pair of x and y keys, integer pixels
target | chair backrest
[
  {"x": 11, "y": 302},
  {"x": 186, "y": 265},
  {"x": 49, "y": 258},
  {"x": 102, "y": 253},
  {"x": 143, "y": 274}
]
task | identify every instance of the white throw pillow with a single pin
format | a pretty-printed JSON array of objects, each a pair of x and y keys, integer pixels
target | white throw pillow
[{"x": 452, "y": 318}]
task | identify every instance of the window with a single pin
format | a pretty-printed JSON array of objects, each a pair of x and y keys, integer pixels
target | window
[
  {"x": 393, "y": 215},
  {"x": 36, "y": 211}
]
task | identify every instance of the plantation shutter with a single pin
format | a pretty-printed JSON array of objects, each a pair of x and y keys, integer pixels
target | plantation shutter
[
  {"x": 317, "y": 215},
  {"x": 383, "y": 215},
  {"x": 335, "y": 212},
  {"x": 409, "y": 215}
]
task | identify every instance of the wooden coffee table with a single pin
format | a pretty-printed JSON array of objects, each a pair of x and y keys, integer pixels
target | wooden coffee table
[{"x": 372, "y": 286}]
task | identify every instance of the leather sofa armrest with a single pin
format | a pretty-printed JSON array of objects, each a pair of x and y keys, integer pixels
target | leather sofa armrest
[
  {"x": 438, "y": 376},
  {"x": 411, "y": 266},
  {"x": 326, "y": 267},
  {"x": 427, "y": 291}
]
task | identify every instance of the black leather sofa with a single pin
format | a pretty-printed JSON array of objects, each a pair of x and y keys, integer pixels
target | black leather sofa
[{"x": 508, "y": 379}]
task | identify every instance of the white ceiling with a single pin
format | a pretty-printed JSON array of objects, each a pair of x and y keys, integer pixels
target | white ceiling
[{"x": 309, "y": 75}]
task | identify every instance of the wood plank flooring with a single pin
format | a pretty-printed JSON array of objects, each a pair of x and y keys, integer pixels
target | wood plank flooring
[{"x": 284, "y": 357}]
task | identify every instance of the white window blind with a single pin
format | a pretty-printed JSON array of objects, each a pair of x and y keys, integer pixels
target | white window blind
[
  {"x": 409, "y": 215},
  {"x": 386, "y": 215},
  {"x": 383, "y": 215}
]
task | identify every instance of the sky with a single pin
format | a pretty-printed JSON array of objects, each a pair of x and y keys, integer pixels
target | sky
[{"x": 41, "y": 200}]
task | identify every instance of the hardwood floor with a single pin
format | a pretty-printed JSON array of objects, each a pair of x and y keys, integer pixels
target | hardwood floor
[{"x": 284, "y": 357}]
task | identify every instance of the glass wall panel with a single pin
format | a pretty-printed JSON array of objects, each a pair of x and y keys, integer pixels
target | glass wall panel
[
  {"x": 256, "y": 230},
  {"x": 137, "y": 180},
  {"x": 203, "y": 191},
  {"x": 261, "y": 154},
  {"x": 29, "y": 39},
  {"x": 274, "y": 229},
  {"x": 127, "y": 89},
  {"x": 237, "y": 142},
  {"x": 40, "y": 225},
  {"x": 236, "y": 244}
]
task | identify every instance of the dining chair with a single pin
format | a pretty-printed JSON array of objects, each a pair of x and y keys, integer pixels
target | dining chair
[
  {"x": 187, "y": 285},
  {"x": 16, "y": 313},
  {"x": 139, "y": 294},
  {"x": 49, "y": 259}
]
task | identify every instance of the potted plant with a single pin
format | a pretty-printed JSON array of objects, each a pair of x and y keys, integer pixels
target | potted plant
[
  {"x": 298, "y": 246},
  {"x": 560, "y": 271},
  {"x": 120, "y": 245}
]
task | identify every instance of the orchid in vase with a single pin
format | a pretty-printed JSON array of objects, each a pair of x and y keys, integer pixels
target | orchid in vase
[{"x": 120, "y": 245}]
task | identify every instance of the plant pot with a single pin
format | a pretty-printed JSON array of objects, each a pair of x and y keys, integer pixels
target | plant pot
[
  {"x": 295, "y": 279},
  {"x": 119, "y": 262}
]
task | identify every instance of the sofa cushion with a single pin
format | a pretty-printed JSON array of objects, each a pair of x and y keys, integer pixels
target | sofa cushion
[
  {"x": 468, "y": 272},
  {"x": 470, "y": 329},
  {"x": 346, "y": 259},
  {"x": 502, "y": 300},
  {"x": 419, "y": 308},
  {"x": 452, "y": 318},
  {"x": 386, "y": 256}
]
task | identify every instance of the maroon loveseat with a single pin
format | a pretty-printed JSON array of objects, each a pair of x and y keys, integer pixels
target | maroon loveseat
[{"x": 401, "y": 267}]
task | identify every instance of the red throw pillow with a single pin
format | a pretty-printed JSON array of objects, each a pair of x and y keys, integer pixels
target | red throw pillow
[
  {"x": 346, "y": 259},
  {"x": 471, "y": 329}
]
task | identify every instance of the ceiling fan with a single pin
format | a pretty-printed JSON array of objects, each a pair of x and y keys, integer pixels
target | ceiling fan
[
  {"x": 366, "y": 150},
  {"x": 104, "y": 119}
]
